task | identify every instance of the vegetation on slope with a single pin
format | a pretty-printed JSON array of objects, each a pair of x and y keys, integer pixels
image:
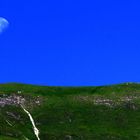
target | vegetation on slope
[{"x": 72, "y": 113}]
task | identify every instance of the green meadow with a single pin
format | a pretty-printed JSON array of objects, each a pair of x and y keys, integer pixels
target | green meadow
[{"x": 72, "y": 113}]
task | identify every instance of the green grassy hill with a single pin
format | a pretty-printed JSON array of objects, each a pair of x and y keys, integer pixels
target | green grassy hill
[{"x": 71, "y": 113}]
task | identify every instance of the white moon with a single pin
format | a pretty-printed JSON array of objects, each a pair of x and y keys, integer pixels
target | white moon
[{"x": 3, "y": 24}]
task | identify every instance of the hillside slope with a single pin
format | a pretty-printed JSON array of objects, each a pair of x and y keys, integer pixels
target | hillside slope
[{"x": 70, "y": 113}]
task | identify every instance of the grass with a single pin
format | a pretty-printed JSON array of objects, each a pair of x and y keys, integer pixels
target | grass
[{"x": 70, "y": 113}]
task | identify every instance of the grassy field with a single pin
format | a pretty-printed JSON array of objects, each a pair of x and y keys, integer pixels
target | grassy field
[{"x": 72, "y": 113}]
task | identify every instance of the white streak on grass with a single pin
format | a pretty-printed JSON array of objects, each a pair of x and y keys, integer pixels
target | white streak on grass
[
  {"x": 25, "y": 138},
  {"x": 36, "y": 131},
  {"x": 9, "y": 123}
]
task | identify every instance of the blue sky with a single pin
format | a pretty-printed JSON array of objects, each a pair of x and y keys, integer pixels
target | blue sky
[{"x": 70, "y": 43}]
